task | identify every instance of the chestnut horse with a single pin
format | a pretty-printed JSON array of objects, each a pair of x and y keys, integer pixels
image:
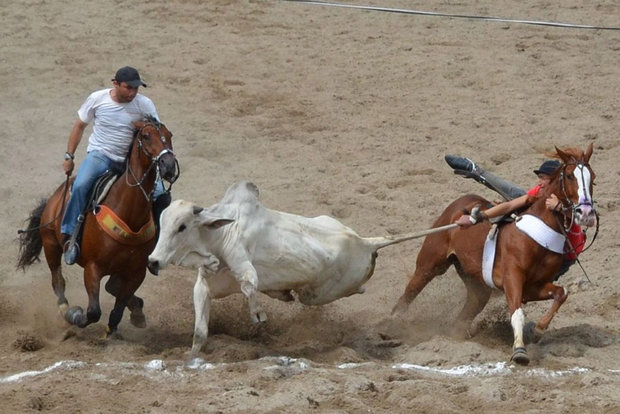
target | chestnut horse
[
  {"x": 523, "y": 268},
  {"x": 101, "y": 254}
]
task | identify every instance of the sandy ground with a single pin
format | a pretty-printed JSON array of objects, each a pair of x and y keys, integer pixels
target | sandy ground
[{"x": 329, "y": 111}]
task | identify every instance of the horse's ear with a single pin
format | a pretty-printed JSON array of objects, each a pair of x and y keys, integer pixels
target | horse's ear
[
  {"x": 139, "y": 124},
  {"x": 564, "y": 156},
  {"x": 588, "y": 153}
]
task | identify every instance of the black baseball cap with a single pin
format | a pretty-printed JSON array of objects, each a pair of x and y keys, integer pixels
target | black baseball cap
[
  {"x": 129, "y": 75},
  {"x": 548, "y": 167}
]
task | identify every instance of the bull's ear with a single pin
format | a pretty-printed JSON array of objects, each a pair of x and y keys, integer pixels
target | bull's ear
[
  {"x": 216, "y": 223},
  {"x": 197, "y": 210}
]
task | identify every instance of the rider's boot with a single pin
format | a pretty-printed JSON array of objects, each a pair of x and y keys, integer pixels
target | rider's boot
[
  {"x": 70, "y": 243},
  {"x": 466, "y": 167},
  {"x": 70, "y": 250}
]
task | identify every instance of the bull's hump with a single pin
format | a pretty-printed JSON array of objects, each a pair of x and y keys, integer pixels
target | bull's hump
[{"x": 240, "y": 192}]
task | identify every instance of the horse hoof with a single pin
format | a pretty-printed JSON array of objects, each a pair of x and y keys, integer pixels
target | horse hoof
[
  {"x": 138, "y": 319},
  {"x": 111, "y": 334},
  {"x": 520, "y": 357},
  {"x": 75, "y": 315},
  {"x": 531, "y": 334},
  {"x": 400, "y": 308}
]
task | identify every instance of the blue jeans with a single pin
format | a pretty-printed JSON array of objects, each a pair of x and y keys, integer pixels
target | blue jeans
[{"x": 94, "y": 166}]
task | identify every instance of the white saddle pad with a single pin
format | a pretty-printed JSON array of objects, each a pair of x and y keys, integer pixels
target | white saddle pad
[
  {"x": 488, "y": 257},
  {"x": 541, "y": 233}
]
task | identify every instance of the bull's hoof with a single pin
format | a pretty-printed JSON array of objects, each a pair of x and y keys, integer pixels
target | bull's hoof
[
  {"x": 259, "y": 316},
  {"x": 519, "y": 356},
  {"x": 532, "y": 334}
]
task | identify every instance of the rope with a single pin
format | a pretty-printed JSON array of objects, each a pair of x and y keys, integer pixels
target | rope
[{"x": 455, "y": 16}]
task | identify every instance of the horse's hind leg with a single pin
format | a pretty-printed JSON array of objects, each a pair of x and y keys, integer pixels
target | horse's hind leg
[
  {"x": 53, "y": 255},
  {"x": 429, "y": 264},
  {"x": 135, "y": 304},
  {"x": 477, "y": 297}
]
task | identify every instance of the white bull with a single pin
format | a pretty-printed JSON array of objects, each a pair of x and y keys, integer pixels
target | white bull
[{"x": 239, "y": 245}]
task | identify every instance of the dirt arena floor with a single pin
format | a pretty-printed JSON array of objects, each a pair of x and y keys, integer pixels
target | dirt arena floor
[{"x": 331, "y": 111}]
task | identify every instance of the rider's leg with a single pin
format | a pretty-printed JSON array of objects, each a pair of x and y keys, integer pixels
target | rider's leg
[
  {"x": 161, "y": 200},
  {"x": 93, "y": 166},
  {"x": 469, "y": 169},
  {"x": 566, "y": 264}
]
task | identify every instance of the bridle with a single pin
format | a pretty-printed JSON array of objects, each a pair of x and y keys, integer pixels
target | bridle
[
  {"x": 154, "y": 162},
  {"x": 569, "y": 208}
]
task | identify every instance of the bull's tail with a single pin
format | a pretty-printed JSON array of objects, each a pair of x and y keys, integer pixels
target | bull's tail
[
  {"x": 30, "y": 242},
  {"x": 381, "y": 242}
]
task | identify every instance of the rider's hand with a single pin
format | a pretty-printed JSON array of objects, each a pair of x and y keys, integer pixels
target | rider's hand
[
  {"x": 464, "y": 221},
  {"x": 67, "y": 166},
  {"x": 553, "y": 203}
]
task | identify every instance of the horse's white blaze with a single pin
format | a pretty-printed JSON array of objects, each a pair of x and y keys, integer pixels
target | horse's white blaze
[
  {"x": 582, "y": 174},
  {"x": 517, "y": 320}
]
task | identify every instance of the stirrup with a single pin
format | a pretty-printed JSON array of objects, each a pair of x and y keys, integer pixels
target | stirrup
[{"x": 71, "y": 253}]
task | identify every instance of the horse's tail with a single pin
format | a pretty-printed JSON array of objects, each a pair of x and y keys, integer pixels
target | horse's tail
[
  {"x": 381, "y": 242},
  {"x": 30, "y": 242}
]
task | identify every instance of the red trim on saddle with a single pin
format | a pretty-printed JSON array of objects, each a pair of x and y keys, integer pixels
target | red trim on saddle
[{"x": 119, "y": 231}]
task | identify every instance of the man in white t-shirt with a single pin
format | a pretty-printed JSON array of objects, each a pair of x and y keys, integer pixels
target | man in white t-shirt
[{"x": 113, "y": 110}]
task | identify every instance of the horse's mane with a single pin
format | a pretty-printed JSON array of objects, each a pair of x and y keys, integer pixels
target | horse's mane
[{"x": 575, "y": 153}]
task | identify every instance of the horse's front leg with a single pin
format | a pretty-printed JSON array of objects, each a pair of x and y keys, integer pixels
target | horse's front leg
[
  {"x": 549, "y": 291},
  {"x": 129, "y": 283},
  {"x": 513, "y": 289},
  {"x": 135, "y": 304},
  {"x": 75, "y": 315}
]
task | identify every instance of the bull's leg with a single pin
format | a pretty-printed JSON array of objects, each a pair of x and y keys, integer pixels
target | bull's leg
[
  {"x": 130, "y": 282},
  {"x": 514, "y": 296},
  {"x": 549, "y": 291},
  {"x": 429, "y": 264},
  {"x": 135, "y": 303},
  {"x": 202, "y": 311},
  {"x": 478, "y": 295},
  {"x": 75, "y": 315},
  {"x": 248, "y": 282}
]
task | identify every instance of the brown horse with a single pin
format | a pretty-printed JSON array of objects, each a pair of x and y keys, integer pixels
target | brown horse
[
  {"x": 124, "y": 258},
  {"x": 523, "y": 268}
]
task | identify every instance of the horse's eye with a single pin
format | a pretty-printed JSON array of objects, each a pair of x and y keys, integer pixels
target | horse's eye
[
  {"x": 182, "y": 227},
  {"x": 570, "y": 176}
]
